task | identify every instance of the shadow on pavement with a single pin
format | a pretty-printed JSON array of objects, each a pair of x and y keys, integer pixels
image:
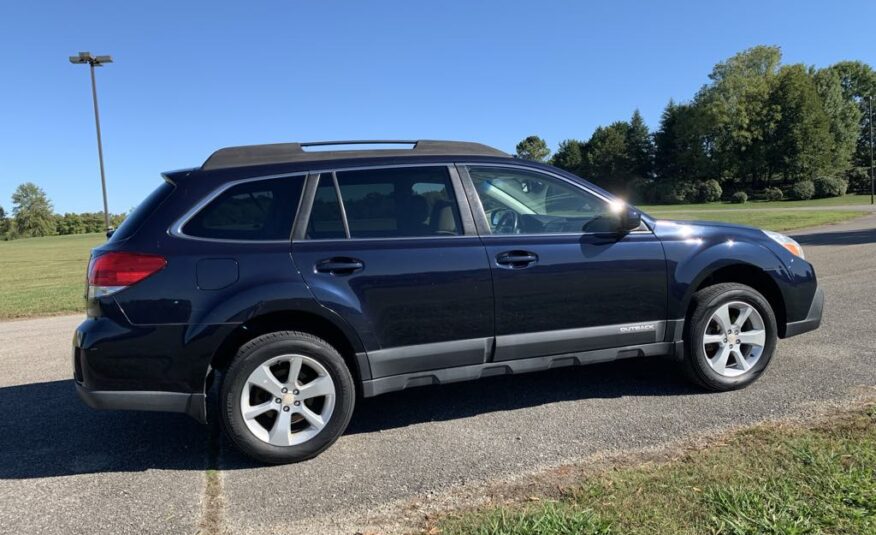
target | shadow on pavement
[
  {"x": 849, "y": 237},
  {"x": 45, "y": 431},
  {"x": 634, "y": 377}
]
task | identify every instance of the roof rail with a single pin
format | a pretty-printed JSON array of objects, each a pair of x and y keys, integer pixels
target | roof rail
[{"x": 294, "y": 152}]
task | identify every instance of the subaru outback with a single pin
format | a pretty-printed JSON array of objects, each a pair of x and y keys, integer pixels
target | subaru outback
[{"x": 306, "y": 278}]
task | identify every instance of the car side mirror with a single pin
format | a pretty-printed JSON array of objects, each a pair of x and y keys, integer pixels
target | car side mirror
[
  {"x": 109, "y": 233},
  {"x": 630, "y": 219}
]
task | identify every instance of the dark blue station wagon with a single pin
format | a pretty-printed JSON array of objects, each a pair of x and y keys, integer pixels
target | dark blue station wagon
[{"x": 308, "y": 277}]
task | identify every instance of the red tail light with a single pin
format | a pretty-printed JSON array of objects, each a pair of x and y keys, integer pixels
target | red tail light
[{"x": 123, "y": 269}]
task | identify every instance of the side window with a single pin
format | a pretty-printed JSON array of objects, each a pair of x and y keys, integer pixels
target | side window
[
  {"x": 523, "y": 202},
  {"x": 325, "y": 215},
  {"x": 256, "y": 210},
  {"x": 399, "y": 202}
]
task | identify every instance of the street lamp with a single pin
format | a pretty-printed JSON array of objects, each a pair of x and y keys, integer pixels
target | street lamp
[{"x": 96, "y": 61}]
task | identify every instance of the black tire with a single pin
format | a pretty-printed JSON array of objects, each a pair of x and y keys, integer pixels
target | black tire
[
  {"x": 256, "y": 352},
  {"x": 705, "y": 303}
]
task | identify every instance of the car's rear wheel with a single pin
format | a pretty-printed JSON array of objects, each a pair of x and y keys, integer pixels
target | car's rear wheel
[
  {"x": 730, "y": 336},
  {"x": 286, "y": 397}
]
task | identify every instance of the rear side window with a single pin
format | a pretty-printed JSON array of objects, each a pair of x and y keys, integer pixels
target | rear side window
[
  {"x": 252, "y": 211},
  {"x": 137, "y": 217},
  {"x": 399, "y": 202}
]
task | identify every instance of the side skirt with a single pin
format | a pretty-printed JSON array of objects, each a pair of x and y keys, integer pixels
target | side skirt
[{"x": 375, "y": 387}]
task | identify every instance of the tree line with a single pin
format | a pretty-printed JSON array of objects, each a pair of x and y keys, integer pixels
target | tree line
[
  {"x": 757, "y": 129},
  {"x": 33, "y": 216}
]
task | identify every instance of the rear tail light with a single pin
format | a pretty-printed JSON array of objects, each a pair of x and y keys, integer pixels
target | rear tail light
[{"x": 111, "y": 272}]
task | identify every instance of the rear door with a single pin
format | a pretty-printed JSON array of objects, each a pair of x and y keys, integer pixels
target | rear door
[
  {"x": 394, "y": 252},
  {"x": 564, "y": 282}
]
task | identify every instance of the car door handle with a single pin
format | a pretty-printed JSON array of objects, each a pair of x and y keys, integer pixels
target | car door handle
[
  {"x": 516, "y": 259},
  {"x": 339, "y": 266}
]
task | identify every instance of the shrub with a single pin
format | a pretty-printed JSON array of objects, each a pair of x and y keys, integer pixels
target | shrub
[
  {"x": 642, "y": 190},
  {"x": 670, "y": 192},
  {"x": 773, "y": 194},
  {"x": 828, "y": 186},
  {"x": 708, "y": 191},
  {"x": 803, "y": 190},
  {"x": 858, "y": 179},
  {"x": 740, "y": 197}
]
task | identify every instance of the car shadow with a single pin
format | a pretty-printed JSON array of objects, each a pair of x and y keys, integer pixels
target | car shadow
[
  {"x": 45, "y": 431},
  {"x": 850, "y": 237}
]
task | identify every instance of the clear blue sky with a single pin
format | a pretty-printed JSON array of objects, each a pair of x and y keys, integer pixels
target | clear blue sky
[{"x": 191, "y": 77}]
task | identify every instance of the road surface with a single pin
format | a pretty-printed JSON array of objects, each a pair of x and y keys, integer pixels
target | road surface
[{"x": 67, "y": 469}]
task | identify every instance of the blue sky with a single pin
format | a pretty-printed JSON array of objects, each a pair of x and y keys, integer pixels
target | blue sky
[{"x": 191, "y": 77}]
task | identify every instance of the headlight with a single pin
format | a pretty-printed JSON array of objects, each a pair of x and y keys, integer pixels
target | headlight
[{"x": 786, "y": 242}]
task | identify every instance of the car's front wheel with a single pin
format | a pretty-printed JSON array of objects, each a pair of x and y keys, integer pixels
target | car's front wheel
[
  {"x": 730, "y": 336},
  {"x": 286, "y": 397}
]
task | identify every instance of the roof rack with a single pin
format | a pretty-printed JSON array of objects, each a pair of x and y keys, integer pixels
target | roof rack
[{"x": 294, "y": 152}]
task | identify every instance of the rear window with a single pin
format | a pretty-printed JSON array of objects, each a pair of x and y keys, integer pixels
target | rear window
[
  {"x": 252, "y": 211},
  {"x": 387, "y": 203},
  {"x": 136, "y": 218}
]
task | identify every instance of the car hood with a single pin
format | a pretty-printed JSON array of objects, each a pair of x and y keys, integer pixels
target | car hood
[{"x": 675, "y": 229}]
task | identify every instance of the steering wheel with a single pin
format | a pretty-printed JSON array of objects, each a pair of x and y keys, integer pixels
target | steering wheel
[{"x": 505, "y": 221}]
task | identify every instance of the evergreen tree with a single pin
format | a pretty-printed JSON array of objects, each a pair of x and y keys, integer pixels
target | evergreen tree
[
  {"x": 569, "y": 156},
  {"x": 533, "y": 148},
  {"x": 606, "y": 160},
  {"x": 801, "y": 143},
  {"x": 640, "y": 147}
]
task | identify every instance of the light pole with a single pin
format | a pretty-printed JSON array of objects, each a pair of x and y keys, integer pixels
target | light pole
[{"x": 96, "y": 61}]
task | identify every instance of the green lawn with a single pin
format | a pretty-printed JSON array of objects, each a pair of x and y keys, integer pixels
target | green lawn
[
  {"x": 770, "y": 220},
  {"x": 768, "y": 479},
  {"x": 847, "y": 200},
  {"x": 43, "y": 276}
]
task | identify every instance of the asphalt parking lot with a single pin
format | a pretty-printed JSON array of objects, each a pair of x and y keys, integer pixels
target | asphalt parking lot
[{"x": 67, "y": 469}]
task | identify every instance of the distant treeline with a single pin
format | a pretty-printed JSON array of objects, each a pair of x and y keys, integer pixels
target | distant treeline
[
  {"x": 756, "y": 129},
  {"x": 33, "y": 216}
]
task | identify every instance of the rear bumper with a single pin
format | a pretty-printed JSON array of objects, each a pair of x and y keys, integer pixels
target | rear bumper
[
  {"x": 147, "y": 368},
  {"x": 192, "y": 404},
  {"x": 812, "y": 320}
]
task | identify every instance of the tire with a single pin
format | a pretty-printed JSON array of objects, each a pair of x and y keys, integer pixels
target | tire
[
  {"x": 246, "y": 386},
  {"x": 706, "y": 340}
]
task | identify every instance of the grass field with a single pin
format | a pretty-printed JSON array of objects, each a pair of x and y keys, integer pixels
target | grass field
[
  {"x": 766, "y": 219},
  {"x": 769, "y": 479},
  {"x": 44, "y": 276},
  {"x": 847, "y": 200}
]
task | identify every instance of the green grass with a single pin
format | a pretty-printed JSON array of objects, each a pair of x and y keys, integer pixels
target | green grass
[
  {"x": 770, "y": 220},
  {"x": 44, "y": 276},
  {"x": 847, "y": 200},
  {"x": 768, "y": 479}
]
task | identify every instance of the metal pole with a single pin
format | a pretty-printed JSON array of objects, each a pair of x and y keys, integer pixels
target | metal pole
[
  {"x": 872, "y": 173},
  {"x": 99, "y": 149}
]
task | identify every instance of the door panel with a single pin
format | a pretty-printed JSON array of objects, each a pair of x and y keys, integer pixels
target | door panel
[
  {"x": 414, "y": 285},
  {"x": 559, "y": 291}
]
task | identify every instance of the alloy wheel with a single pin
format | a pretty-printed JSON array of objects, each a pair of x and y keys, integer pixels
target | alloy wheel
[
  {"x": 288, "y": 400},
  {"x": 734, "y": 339}
]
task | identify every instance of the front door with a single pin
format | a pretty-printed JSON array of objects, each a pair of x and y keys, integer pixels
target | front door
[
  {"x": 564, "y": 281},
  {"x": 401, "y": 262}
]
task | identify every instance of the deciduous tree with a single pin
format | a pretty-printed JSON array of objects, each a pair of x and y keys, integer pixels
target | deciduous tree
[{"x": 32, "y": 212}]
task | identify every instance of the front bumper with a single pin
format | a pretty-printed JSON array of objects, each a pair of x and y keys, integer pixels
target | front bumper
[
  {"x": 192, "y": 404},
  {"x": 813, "y": 318}
]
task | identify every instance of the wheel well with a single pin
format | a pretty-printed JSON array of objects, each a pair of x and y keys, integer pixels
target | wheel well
[
  {"x": 281, "y": 321},
  {"x": 753, "y": 277}
]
